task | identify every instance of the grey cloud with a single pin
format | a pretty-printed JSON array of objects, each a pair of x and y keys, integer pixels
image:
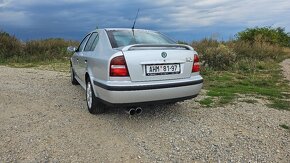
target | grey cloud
[{"x": 71, "y": 19}]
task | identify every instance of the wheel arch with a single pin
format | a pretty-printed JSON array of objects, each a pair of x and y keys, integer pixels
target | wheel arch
[{"x": 88, "y": 77}]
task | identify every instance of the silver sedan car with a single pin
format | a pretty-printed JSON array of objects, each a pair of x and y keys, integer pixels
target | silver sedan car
[{"x": 132, "y": 68}]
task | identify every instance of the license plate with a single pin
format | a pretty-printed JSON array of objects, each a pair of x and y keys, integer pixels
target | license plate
[{"x": 162, "y": 69}]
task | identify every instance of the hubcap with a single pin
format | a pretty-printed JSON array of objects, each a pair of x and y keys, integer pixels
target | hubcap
[{"x": 89, "y": 95}]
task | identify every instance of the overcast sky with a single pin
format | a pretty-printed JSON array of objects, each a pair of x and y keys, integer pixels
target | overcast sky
[{"x": 180, "y": 19}]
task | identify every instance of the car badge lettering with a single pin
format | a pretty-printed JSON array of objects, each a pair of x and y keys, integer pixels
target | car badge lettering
[
  {"x": 189, "y": 59},
  {"x": 164, "y": 54}
]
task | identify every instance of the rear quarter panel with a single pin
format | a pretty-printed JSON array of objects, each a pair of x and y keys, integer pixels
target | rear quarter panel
[{"x": 98, "y": 60}]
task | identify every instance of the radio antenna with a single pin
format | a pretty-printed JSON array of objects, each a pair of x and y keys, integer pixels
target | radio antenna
[{"x": 133, "y": 27}]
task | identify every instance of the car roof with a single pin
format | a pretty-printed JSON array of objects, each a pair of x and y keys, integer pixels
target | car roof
[
  {"x": 109, "y": 29},
  {"x": 113, "y": 29}
]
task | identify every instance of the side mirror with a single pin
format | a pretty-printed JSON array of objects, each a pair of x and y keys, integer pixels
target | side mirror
[{"x": 71, "y": 49}]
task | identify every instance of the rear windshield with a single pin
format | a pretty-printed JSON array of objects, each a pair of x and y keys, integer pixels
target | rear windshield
[{"x": 119, "y": 38}]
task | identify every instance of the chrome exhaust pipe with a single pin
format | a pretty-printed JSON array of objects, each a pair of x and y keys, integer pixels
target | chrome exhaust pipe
[
  {"x": 131, "y": 111},
  {"x": 139, "y": 110}
]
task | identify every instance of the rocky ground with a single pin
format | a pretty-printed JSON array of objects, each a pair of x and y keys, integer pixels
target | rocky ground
[{"x": 44, "y": 118}]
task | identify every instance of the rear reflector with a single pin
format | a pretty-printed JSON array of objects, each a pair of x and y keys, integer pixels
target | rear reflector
[
  {"x": 118, "y": 67},
  {"x": 195, "y": 66}
]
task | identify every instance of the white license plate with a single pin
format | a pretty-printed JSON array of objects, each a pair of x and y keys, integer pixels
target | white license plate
[{"x": 163, "y": 69}]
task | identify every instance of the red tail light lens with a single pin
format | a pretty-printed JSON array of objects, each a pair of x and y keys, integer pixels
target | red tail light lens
[
  {"x": 195, "y": 66},
  {"x": 118, "y": 67}
]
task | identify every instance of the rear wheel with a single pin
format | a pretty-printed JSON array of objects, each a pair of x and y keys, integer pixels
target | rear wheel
[
  {"x": 72, "y": 77},
  {"x": 94, "y": 105}
]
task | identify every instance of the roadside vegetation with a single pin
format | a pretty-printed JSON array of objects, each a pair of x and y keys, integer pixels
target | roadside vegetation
[
  {"x": 46, "y": 54},
  {"x": 246, "y": 66}
]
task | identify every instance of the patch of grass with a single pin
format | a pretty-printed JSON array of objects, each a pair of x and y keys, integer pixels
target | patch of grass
[
  {"x": 285, "y": 126},
  {"x": 268, "y": 82},
  {"x": 253, "y": 70},
  {"x": 51, "y": 65},
  {"x": 250, "y": 101},
  {"x": 226, "y": 99},
  {"x": 280, "y": 104},
  {"x": 207, "y": 101}
]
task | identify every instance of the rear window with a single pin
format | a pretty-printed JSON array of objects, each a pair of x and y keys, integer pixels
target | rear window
[{"x": 119, "y": 38}]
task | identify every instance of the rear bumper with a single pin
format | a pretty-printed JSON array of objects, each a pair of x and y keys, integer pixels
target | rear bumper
[
  {"x": 126, "y": 93},
  {"x": 146, "y": 103}
]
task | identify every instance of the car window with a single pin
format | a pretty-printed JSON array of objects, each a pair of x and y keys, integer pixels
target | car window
[
  {"x": 92, "y": 42},
  {"x": 82, "y": 44},
  {"x": 95, "y": 43},
  {"x": 119, "y": 38}
]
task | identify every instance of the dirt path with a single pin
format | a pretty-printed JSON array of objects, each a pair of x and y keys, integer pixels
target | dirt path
[
  {"x": 44, "y": 118},
  {"x": 286, "y": 68}
]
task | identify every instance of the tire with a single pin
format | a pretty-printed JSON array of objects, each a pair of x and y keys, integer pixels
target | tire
[
  {"x": 93, "y": 104},
  {"x": 72, "y": 77}
]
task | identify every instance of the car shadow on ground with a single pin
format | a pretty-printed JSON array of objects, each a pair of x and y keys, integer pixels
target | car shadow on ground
[{"x": 148, "y": 110}]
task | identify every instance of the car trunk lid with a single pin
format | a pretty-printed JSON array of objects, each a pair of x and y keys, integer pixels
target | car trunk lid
[{"x": 158, "y": 62}]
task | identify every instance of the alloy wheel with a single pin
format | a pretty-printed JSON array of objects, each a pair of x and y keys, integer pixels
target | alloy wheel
[{"x": 89, "y": 95}]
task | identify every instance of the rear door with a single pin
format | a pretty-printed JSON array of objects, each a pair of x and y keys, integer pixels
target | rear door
[
  {"x": 160, "y": 64},
  {"x": 77, "y": 57},
  {"x": 87, "y": 52}
]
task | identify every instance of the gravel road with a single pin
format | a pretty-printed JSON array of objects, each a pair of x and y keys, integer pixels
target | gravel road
[{"x": 44, "y": 119}]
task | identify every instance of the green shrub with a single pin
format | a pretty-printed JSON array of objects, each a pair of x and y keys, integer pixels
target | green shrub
[
  {"x": 274, "y": 36},
  {"x": 203, "y": 45},
  {"x": 218, "y": 58},
  {"x": 49, "y": 49},
  {"x": 254, "y": 65},
  {"x": 14, "y": 51},
  {"x": 258, "y": 50},
  {"x": 10, "y": 46}
]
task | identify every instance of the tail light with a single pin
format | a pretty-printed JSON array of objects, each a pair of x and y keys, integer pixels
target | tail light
[
  {"x": 195, "y": 66},
  {"x": 118, "y": 67}
]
